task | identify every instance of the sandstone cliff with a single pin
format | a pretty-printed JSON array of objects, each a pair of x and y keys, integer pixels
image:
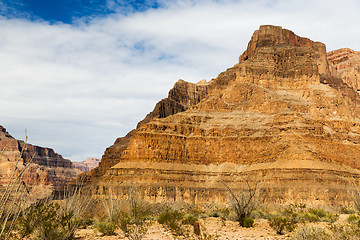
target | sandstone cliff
[
  {"x": 345, "y": 64},
  {"x": 283, "y": 115},
  {"x": 46, "y": 171},
  {"x": 181, "y": 97}
]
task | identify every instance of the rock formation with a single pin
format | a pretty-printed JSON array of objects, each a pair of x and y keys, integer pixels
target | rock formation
[
  {"x": 286, "y": 115},
  {"x": 181, "y": 97},
  {"x": 87, "y": 165},
  {"x": 46, "y": 171},
  {"x": 345, "y": 64}
]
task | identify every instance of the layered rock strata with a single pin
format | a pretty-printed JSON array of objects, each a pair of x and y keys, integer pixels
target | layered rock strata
[
  {"x": 282, "y": 117},
  {"x": 47, "y": 169},
  {"x": 180, "y": 98},
  {"x": 345, "y": 64}
]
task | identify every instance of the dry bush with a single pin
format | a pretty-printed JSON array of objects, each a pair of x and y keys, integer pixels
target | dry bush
[
  {"x": 244, "y": 203},
  {"x": 133, "y": 222}
]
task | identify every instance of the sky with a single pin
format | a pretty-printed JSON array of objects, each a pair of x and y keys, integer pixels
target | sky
[{"x": 77, "y": 74}]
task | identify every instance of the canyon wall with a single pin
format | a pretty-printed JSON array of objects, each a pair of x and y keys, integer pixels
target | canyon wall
[
  {"x": 47, "y": 170},
  {"x": 286, "y": 117}
]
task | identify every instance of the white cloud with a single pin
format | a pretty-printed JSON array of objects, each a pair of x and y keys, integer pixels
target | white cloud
[{"x": 78, "y": 87}]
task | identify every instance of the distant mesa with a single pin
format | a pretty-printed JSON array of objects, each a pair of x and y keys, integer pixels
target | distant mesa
[{"x": 87, "y": 165}]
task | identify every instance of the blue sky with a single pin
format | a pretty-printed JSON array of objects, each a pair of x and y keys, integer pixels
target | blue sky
[
  {"x": 78, "y": 74},
  {"x": 69, "y": 11}
]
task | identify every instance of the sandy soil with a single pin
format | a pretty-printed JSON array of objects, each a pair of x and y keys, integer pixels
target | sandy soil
[{"x": 221, "y": 230}]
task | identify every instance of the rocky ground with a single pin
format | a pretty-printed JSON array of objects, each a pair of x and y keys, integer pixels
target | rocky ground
[{"x": 214, "y": 227}]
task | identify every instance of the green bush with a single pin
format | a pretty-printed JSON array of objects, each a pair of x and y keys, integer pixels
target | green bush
[
  {"x": 47, "y": 221},
  {"x": 107, "y": 228},
  {"x": 353, "y": 218},
  {"x": 311, "y": 233},
  {"x": 345, "y": 232},
  {"x": 347, "y": 210},
  {"x": 320, "y": 215},
  {"x": 318, "y": 212},
  {"x": 84, "y": 222},
  {"x": 308, "y": 217},
  {"x": 124, "y": 220},
  {"x": 171, "y": 218},
  {"x": 281, "y": 223},
  {"x": 248, "y": 222},
  {"x": 301, "y": 214}
]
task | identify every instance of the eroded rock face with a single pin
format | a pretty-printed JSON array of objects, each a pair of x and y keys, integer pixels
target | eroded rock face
[
  {"x": 46, "y": 171},
  {"x": 280, "y": 116},
  {"x": 181, "y": 97},
  {"x": 345, "y": 64}
]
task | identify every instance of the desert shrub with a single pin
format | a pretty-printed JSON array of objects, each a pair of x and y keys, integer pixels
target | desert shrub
[
  {"x": 308, "y": 217},
  {"x": 46, "y": 222},
  {"x": 318, "y": 212},
  {"x": 134, "y": 224},
  {"x": 85, "y": 222},
  {"x": 353, "y": 218},
  {"x": 320, "y": 215},
  {"x": 345, "y": 232},
  {"x": 130, "y": 216},
  {"x": 300, "y": 213},
  {"x": 189, "y": 219},
  {"x": 47, "y": 219},
  {"x": 245, "y": 202},
  {"x": 214, "y": 214},
  {"x": 107, "y": 228},
  {"x": 123, "y": 220},
  {"x": 28, "y": 221},
  {"x": 258, "y": 214},
  {"x": 347, "y": 210},
  {"x": 313, "y": 233},
  {"x": 330, "y": 218},
  {"x": 171, "y": 219},
  {"x": 281, "y": 223},
  {"x": 248, "y": 222}
]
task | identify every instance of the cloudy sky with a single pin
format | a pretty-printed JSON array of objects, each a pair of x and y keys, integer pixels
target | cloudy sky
[{"x": 77, "y": 74}]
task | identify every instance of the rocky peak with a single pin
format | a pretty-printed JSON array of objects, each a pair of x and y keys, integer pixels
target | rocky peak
[
  {"x": 180, "y": 98},
  {"x": 282, "y": 42}
]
